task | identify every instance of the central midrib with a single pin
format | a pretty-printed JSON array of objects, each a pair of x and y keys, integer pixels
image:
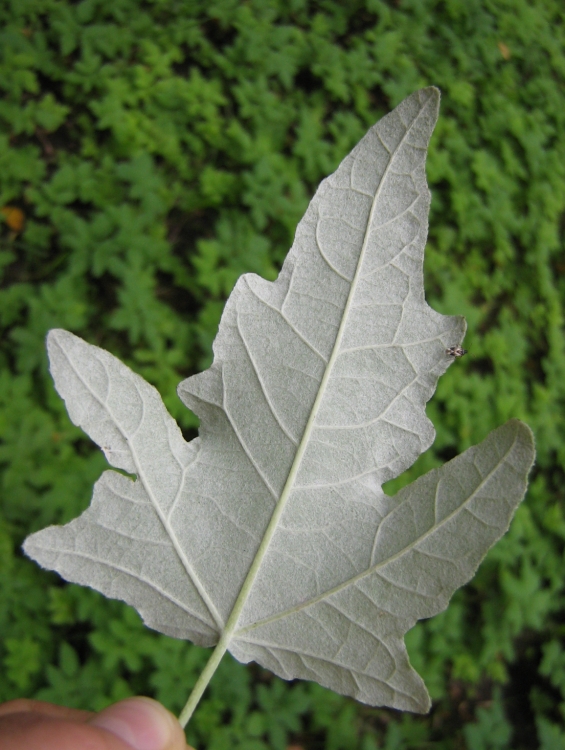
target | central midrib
[{"x": 239, "y": 604}]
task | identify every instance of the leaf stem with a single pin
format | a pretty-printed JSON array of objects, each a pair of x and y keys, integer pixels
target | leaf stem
[{"x": 202, "y": 682}]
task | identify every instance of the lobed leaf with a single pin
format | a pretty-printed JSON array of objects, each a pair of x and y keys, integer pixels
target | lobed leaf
[{"x": 270, "y": 534}]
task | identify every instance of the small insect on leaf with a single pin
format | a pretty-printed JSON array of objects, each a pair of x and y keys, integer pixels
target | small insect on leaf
[{"x": 456, "y": 351}]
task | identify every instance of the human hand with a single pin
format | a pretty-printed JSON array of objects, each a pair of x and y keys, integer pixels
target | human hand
[{"x": 138, "y": 723}]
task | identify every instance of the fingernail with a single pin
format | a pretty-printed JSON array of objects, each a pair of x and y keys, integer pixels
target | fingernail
[{"x": 141, "y": 722}]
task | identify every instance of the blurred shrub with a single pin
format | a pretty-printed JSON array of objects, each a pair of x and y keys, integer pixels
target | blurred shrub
[{"x": 151, "y": 152}]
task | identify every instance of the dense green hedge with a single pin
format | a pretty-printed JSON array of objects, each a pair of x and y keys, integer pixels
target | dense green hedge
[{"x": 150, "y": 152}]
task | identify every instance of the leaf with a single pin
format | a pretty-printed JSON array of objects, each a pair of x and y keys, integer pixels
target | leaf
[
  {"x": 269, "y": 534},
  {"x": 14, "y": 217}
]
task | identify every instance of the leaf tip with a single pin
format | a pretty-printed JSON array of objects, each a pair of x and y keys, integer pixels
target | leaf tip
[
  {"x": 56, "y": 337},
  {"x": 32, "y": 549},
  {"x": 525, "y": 437},
  {"x": 55, "y": 333},
  {"x": 431, "y": 93}
]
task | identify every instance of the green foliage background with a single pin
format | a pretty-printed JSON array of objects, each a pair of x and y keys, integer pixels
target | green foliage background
[{"x": 160, "y": 148}]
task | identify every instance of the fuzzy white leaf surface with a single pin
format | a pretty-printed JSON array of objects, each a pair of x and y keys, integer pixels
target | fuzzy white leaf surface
[{"x": 271, "y": 530}]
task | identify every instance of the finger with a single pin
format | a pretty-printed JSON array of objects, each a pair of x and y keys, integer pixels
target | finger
[
  {"x": 138, "y": 723},
  {"x": 27, "y": 730},
  {"x": 26, "y": 705},
  {"x": 142, "y": 723}
]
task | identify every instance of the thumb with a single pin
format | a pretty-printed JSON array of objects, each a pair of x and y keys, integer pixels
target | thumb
[{"x": 143, "y": 724}]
